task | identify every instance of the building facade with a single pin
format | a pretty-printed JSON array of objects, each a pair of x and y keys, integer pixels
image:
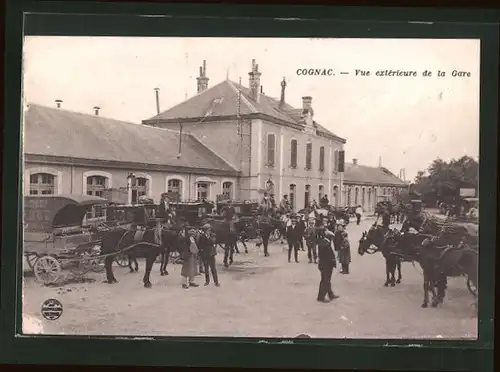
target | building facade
[
  {"x": 366, "y": 186},
  {"x": 275, "y": 146},
  {"x": 72, "y": 153}
]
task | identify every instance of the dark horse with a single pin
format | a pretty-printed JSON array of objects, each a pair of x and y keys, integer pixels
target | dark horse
[
  {"x": 376, "y": 236},
  {"x": 134, "y": 244},
  {"x": 449, "y": 250},
  {"x": 266, "y": 225},
  {"x": 228, "y": 239},
  {"x": 171, "y": 242}
]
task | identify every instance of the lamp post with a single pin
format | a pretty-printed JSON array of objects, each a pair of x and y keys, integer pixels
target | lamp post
[{"x": 130, "y": 185}]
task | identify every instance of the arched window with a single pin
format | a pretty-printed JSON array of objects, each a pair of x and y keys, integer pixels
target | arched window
[
  {"x": 293, "y": 154},
  {"x": 321, "y": 192},
  {"x": 335, "y": 195},
  {"x": 292, "y": 196},
  {"x": 307, "y": 196},
  {"x": 271, "y": 149},
  {"x": 363, "y": 197},
  {"x": 227, "y": 190},
  {"x": 356, "y": 196},
  {"x": 309, "y": 155},
  {"x": 42, "y": 184},
  {"x": 96, "y": 185},
  {"x": 203, "y": 190},
  {"x": 336, "y": 161},
  {"x": 174, "y": 185},
  {"x": 348, "y": 196},
  {"x": 322, "y": 158}
]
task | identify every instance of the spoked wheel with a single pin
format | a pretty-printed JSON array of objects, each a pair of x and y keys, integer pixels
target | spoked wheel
[
  {"x": 121, "y": 260},
  {"x": 47, "y": 270},
  {"x": 471, "y": 287},
  {"x": 274, "y": 236}
]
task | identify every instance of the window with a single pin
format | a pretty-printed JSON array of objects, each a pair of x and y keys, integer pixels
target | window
[
  {"x": 307, "y": 196},
  {"x": 175, "y": 185},
  {"x": 363, "y": 196},
  {"x": 336, "y": 195},
  {"x": 96, "y": 185},
  {"x": 356, "y": 196},
  {"x": 291, "y": 196},
  {"x": 293, "y": 154},
  {"x": 203, "y": 189},
  {"x": 271, "y": 147},
  {"x": 322, "y": 158},
  {"x": 309, "y": 156},
  {"x": 42, "y": 184},
  {"x": 227, "y": 190},
  {"x": 369, "y": 198},
  {"x": 320, "y": 192},
  {"x": 142, "y": 186},
  {"x": 336, "y": 161},
  {"x": 348, "y": 197}
]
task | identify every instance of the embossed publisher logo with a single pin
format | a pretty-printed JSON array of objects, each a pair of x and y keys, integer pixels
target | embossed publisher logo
[{"x": 52, "y": 309}]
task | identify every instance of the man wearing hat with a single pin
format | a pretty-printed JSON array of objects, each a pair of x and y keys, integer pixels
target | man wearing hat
[
  {"x": 229, "y": 214},
  {"x": 293, "y": 236},
  {"x": 208, "y": 253},
  {"x": 326, "y": 264}
]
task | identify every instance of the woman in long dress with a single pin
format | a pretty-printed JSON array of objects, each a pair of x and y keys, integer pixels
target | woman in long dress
[{"x": 190, "y": 264}]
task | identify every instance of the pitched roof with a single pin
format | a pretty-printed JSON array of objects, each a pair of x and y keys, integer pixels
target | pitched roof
[
  {"x": 57, "y": 132},
  {"x": 222, "y": 100},
  {"x": 370, "y": 175}
]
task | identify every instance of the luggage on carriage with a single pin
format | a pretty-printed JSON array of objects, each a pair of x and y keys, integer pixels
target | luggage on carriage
[{"x": 58, "y": 234}]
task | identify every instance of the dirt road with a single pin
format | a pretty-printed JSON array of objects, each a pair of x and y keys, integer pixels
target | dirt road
[{"x": 259, "y": 297}]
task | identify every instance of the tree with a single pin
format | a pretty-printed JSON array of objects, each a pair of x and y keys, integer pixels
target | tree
[{"x": 445, "y": 179}]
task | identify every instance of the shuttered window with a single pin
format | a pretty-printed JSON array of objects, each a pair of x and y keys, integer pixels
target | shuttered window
[
  {"x": 309, "y": 156},
  {"x": 293, "y": 154},
  {"x": 322, "y": 158},
  {"x": 271, "y": 149}
]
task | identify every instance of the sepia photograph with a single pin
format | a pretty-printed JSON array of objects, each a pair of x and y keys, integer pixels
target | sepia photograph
[{"x": 250, "y": 187}]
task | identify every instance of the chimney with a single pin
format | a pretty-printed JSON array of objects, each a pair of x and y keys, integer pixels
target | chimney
[
  {"x": 355, "y": 161},
  {"x": 254, "y": 81},
  {"x": 58, "y": 103},
  {"x": 261, "y": 89},
  {"x": 96, "y": 110},
  {"x": 283, "y": 86},
  {"x": 306, "y": 105},
  {"x": 157, "y": 93},
  {"x": 202, "y": 79}
]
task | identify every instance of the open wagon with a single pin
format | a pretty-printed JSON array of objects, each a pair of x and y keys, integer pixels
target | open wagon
[{"x": 57, "y": 236}]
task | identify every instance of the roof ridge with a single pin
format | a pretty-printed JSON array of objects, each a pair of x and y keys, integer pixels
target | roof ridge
[
  {"x": 251, "y": 107},
  {"x": 104, "y": 117}
]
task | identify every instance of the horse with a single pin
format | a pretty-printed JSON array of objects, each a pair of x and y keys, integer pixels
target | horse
[
  {"x": 376, "y": 236},
  {"x": 266, "y": 225},
  {"x": 228, "y": 239},
  {"x": 135, "y": 244},
  {"x": 447, "y": 250},
  {"x": 171, "y": 238}
]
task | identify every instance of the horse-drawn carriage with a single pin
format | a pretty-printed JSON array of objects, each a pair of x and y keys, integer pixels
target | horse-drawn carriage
[
  {"x": 57, "y": 235},
  {"x": 193, "y": 212},
  {"x": 245, "y": 208}
]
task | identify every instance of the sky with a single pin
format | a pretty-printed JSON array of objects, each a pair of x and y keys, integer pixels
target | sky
[{"x": 407, "y": 122}]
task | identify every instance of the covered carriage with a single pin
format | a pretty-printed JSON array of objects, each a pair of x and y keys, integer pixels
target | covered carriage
[
  {"x": 58, "y": 234},
  {"x": 193, "y": 212}
]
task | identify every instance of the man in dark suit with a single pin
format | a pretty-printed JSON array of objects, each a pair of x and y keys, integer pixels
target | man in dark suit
[
  {"x": 301, "y": 223},
  {"x": 326, "y": 264},
  {"x": 293, "y": 234},
  {"x": 208, "y": 252}
]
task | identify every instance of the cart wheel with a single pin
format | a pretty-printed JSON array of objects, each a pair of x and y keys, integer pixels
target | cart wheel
[
  {"x": 47, "y": 270},
  {"x": 31, "y": 259},
  {"x": 275, "y": 235},
  {"x": 121, "y": 260},
  {"x": 471, "y": 287}
]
